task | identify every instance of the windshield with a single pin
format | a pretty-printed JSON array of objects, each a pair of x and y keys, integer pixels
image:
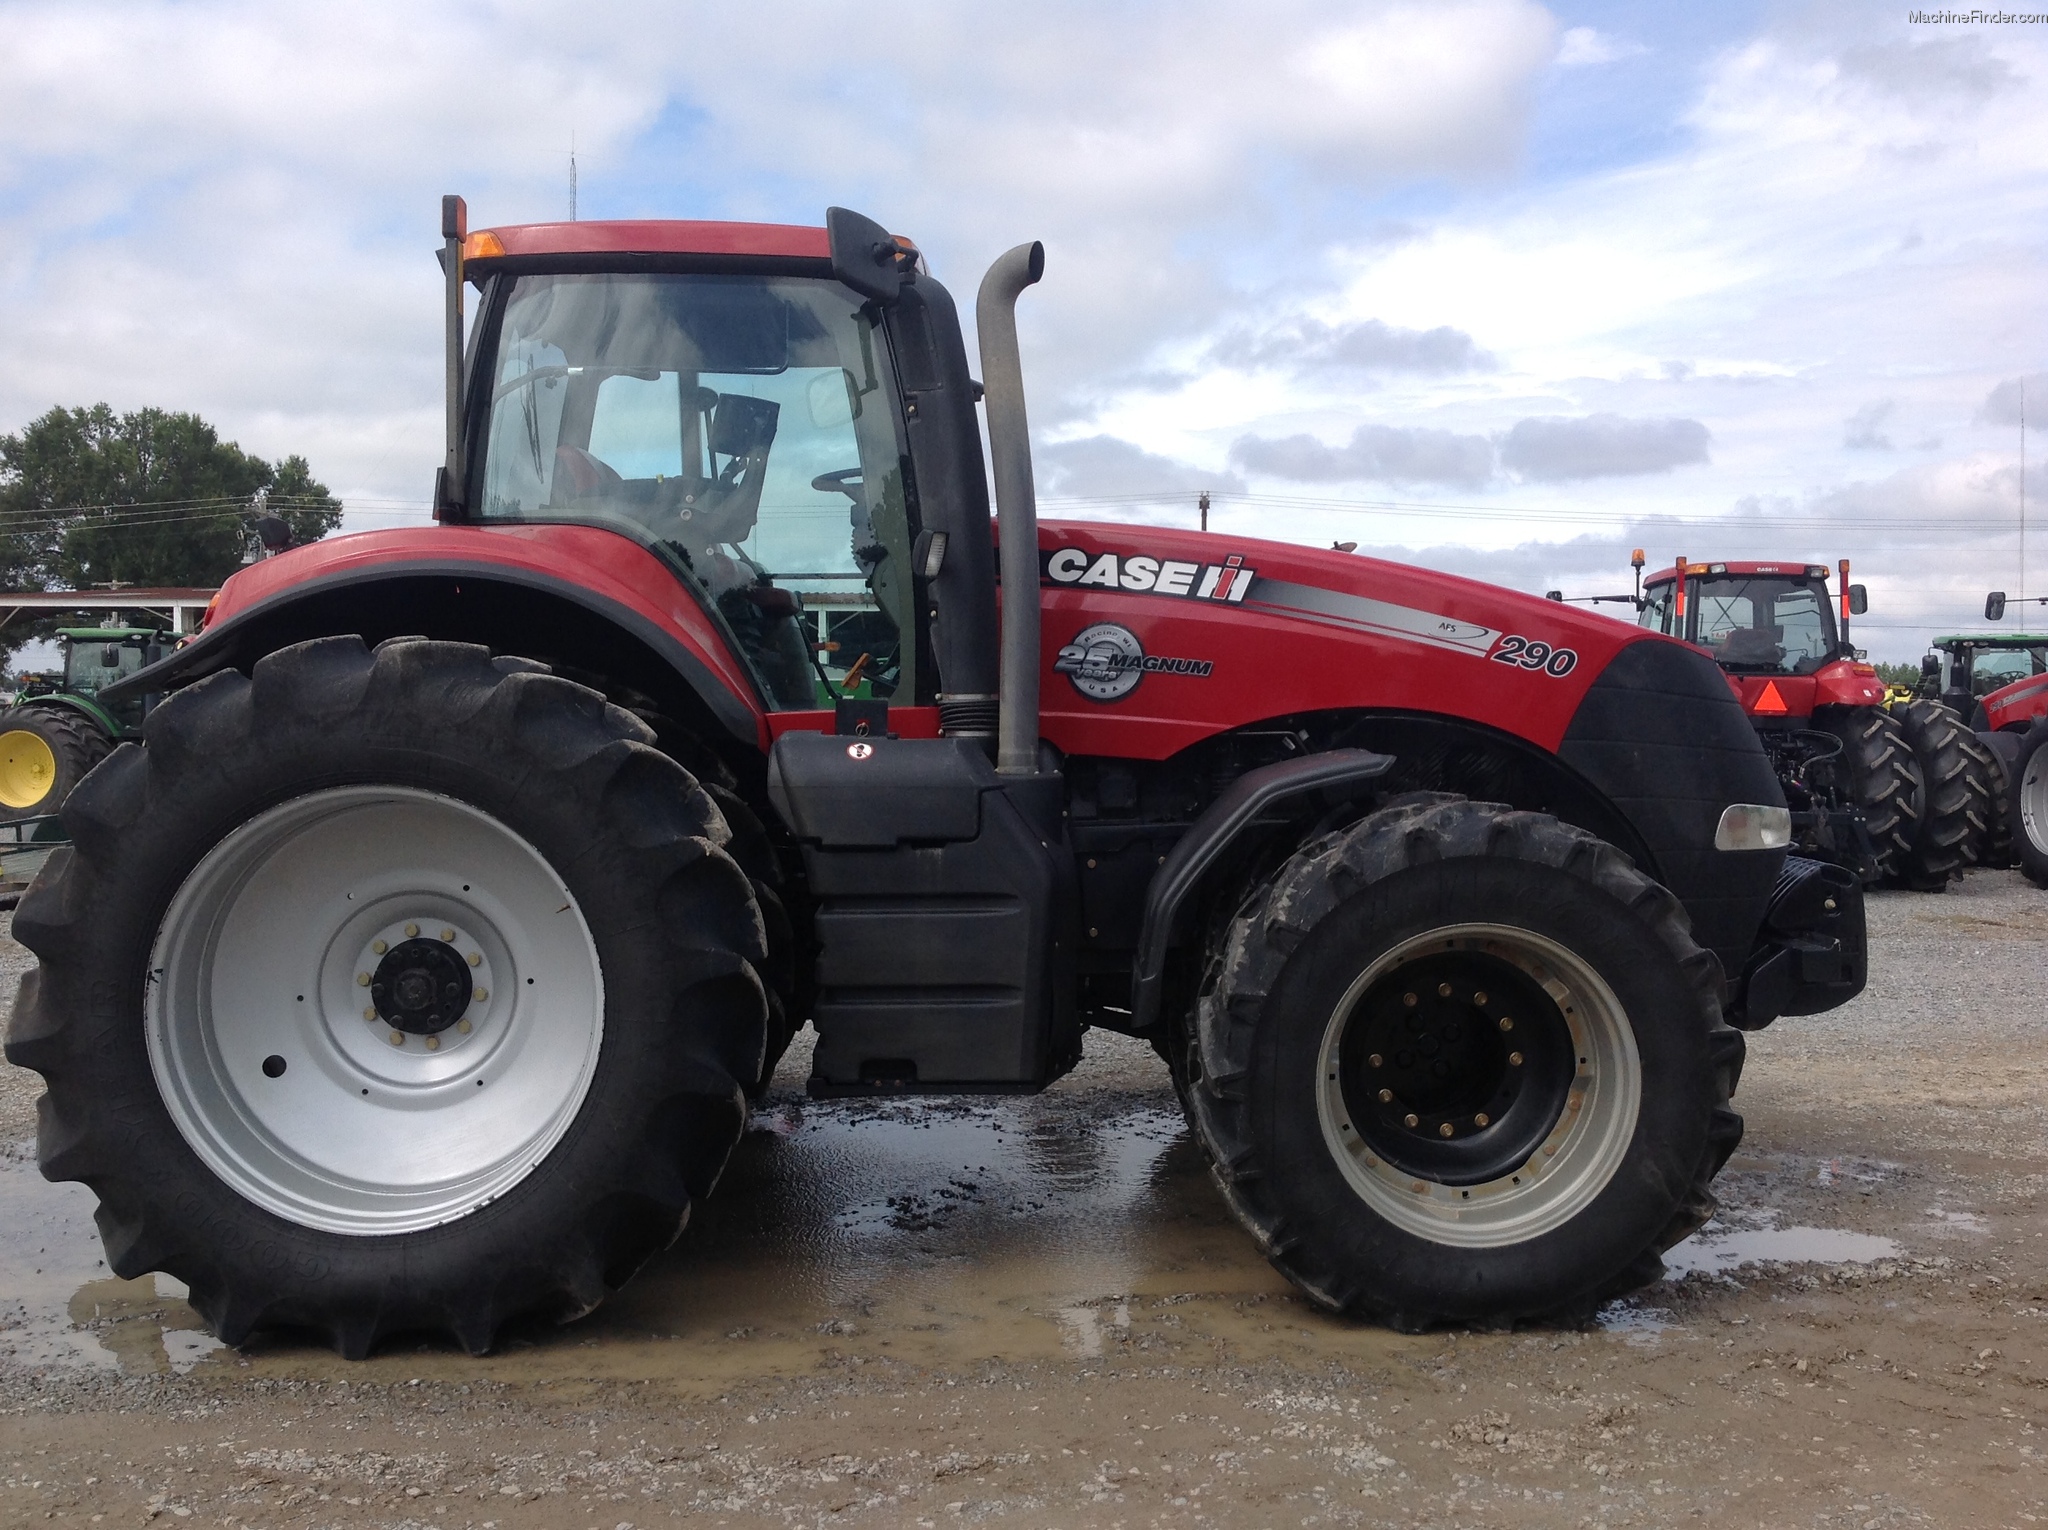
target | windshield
[
  {"x": 1992, "y": 668},
  {"x": 1764, "y": 622},
  {"x": 748, "y": 426}
]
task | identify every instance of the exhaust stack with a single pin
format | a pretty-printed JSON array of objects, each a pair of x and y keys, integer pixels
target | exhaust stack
[
  {"x": 1009, "y": 442},
  {"x": 449, "y": 497}
]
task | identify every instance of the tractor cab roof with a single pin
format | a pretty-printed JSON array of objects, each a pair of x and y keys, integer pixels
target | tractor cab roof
[
  {"x": 1784, "y": 569},
  {"x": 521, "y": 242},
  {"x": 1991, "y": 640}
]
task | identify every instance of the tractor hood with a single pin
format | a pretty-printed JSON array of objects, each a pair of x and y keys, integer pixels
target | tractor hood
[{"x": 1154, "y": 639}]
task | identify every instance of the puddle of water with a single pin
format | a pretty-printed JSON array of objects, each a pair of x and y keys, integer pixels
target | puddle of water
[
  {"x": 1715, "y": 1249},
  {"x": 1637, "y": 1324},
  {"x": 1077, "y": 1227},
  {"x": 1943, "y": 1223}
]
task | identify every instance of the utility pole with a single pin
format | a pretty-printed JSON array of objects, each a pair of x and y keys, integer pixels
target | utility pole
[
  {"x": 2023, "y": 490},
  {"x": 572, "y": 177},
  {"x": 1204, "y": 503}
]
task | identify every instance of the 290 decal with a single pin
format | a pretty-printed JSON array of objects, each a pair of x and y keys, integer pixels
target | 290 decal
[{"x": 1535, "y": 654}]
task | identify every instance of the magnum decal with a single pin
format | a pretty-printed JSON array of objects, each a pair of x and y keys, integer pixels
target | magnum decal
[
  {"x": 1106, "y": 662},
  {"x": 1228, "y": 581}
]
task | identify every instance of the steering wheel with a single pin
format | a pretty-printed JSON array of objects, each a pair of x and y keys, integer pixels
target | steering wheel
[{"x": 845, "y": 481}]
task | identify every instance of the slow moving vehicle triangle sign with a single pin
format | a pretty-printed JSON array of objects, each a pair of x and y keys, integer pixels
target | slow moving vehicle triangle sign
[{"x": 1769, "y": 699}]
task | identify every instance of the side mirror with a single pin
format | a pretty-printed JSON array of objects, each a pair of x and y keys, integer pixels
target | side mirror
[
  {"x": 1859, "y": 600},
  {"x": 865, "y": 255},
  {"x": 1553, "y": 594},
  {"x": 1994, "y": 606},
  {"x": 273, "y": 533},
  {"x": 1930, "y": 666}
]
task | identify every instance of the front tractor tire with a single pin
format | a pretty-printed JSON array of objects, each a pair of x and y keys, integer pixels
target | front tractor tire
[
  {"x": 405, "y": 991},
  {"x": 45, "y": 751},
  {"x": 1462, "y": 1063},
  {"x": 1883, "y": 781},
  {"x": 2027, "y": 804}
]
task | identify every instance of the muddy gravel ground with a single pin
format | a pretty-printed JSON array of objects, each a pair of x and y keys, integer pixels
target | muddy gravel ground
[{"x": 1035, "y": 1313}]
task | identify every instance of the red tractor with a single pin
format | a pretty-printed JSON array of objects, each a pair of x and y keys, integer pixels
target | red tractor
[
  {"x": 1904, "y": 794},
  {"x": 2008, "y": 677},
  {"x": 416, "y": 970}
]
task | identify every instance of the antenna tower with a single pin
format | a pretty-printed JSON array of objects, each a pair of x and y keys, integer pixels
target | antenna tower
[{"x": 572, "y": 177}]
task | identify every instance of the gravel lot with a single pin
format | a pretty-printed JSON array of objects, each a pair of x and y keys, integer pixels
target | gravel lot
[{"x": 1034, "y": 1313}]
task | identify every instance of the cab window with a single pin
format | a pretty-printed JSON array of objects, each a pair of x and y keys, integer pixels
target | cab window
[{"x": 747, "y": 426}]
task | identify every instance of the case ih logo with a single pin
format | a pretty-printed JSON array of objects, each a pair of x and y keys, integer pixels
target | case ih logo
[
  {"x": 1227, "y": 581},
  {"x": 1106, "y": 662}
]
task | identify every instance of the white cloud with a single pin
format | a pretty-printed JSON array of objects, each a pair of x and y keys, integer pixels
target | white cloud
[{"x": 1581, "y": 46}]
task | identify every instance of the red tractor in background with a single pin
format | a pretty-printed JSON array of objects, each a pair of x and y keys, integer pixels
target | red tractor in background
[
  {"x": 415, "y": 971},
  {"x": 2006, "y": 677},
  {"x": 1906, "y": 794}
]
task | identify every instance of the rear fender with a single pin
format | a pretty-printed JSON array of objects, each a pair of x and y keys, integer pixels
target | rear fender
[{"x": 551, "y": 617}]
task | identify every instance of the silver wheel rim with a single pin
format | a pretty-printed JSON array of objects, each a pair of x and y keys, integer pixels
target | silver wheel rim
[
  {"x": 2034, "y": 800},
  {"x": 1574, "y": 1162},
  {"x": 265, "y": 957}
]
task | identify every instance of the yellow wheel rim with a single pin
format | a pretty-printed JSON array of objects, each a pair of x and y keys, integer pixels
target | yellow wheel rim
[{"x": 28, "y": 768}]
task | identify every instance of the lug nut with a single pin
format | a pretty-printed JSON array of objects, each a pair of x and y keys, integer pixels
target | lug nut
[
  {"x": 1506, "y": 1024},
  {"x": 476, "y": 958},
  {"x": 1410, "y": 1000},
  {"x": 1482, "y": 1119},
  {"x": 1386, "y": 1096},
  {"x": 482, "y": 994},
  {"x": 447, "y": 934},
  {"x": 1376, "y": 1061},
  {"x": 1514, "y": 1059},
  {"x": 362, "y": 980},
  {"x": 370, "y": 1012},
  {"x": 434, "y": 1045},
  {"x": 398, "y": 1038},
  {"x": 1479, "y": 997},
  {"x": 1444, "y": 1130},
  {"x": 463, "y": 1026},
  {"x": 1411, "y": 1120},
  {"x": 1829, "y": 905},
  {"x": 379, "y": 947},
  {"x": 411, "y": 930},
  {"x": 1418, "y": 1187},
  {"x": 1443, "y": 990}
]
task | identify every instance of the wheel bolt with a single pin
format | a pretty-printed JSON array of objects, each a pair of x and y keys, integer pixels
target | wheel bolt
[
  {"x": 1443, "y": 990},
  {"x": 1514, "y": 1059},
  {"x": 1444, "y": 1130},
  {"x": 1506, "y": 1024},
  {"x": 1479, "y": 997},
  {"x": 1386, "y": 1096},
  {"x": 447, "y": 934},
  {"x": 362, "y": 980},
  {"x": 434, "y": 1045},
  {"x": 476, "y": 958},
  {"x": 1411, "y": 1120},
  {"x": 1482, "y": 1119},
  {"x": 411, "y": 930},
  {"x": 1376, "y": 1061},
  {"x": 370, "y": 1012},
  {"x": 379, "y": 947},
  {"x": 463, "y": 1026},
  {"x": 482, "y": 994},
  {"x": 1410, "y": 1000},
  {"x": 398, "y": 1038}
]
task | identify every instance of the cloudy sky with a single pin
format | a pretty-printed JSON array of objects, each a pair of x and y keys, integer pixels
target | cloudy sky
[{"x": 1497, "y": 287}]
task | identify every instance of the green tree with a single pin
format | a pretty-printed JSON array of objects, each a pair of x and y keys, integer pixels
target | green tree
[{"x": 91, "y": 498}]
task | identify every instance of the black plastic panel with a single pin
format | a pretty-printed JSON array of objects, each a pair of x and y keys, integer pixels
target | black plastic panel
[
  {"x": 1662, "y": 735},
  {"x": 877, "y": 793}
]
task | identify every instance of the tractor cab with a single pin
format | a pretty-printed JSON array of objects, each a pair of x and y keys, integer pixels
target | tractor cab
[
  {"x": 95, "y": 658},
  {"x": 1771, "y": 627},
  {"x": 1976, "y": 674}
]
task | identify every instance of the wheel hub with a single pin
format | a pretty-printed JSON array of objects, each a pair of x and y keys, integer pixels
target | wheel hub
[
  {"x": 421, "y": 987},
  {"x": 1456, "y": 1066}
]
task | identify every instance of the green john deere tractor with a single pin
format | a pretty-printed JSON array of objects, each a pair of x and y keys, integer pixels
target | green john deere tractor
[{"x": 58, "y": 728}]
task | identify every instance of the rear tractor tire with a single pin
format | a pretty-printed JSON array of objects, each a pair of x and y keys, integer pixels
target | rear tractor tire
[
  {"x": 2027, "y": 805},
  {"x": 1883, "y": 780},
  {"x": 1955, "y": 801},
  {"x": 2002, "y": 749},
  {"x": 45, "y": 751},
  {"x": 405, "y": 991},
  {"x": 1461, "y": 1063}
]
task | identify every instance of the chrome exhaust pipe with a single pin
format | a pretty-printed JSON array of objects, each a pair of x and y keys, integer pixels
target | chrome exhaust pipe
[{"x": 1009, "y": 444}]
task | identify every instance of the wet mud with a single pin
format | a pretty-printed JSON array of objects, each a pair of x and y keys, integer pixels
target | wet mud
[{"x": 1038, "y": 1312}]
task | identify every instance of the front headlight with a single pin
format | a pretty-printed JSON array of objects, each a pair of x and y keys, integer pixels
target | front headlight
[{"x": 1751, "y": 826}]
